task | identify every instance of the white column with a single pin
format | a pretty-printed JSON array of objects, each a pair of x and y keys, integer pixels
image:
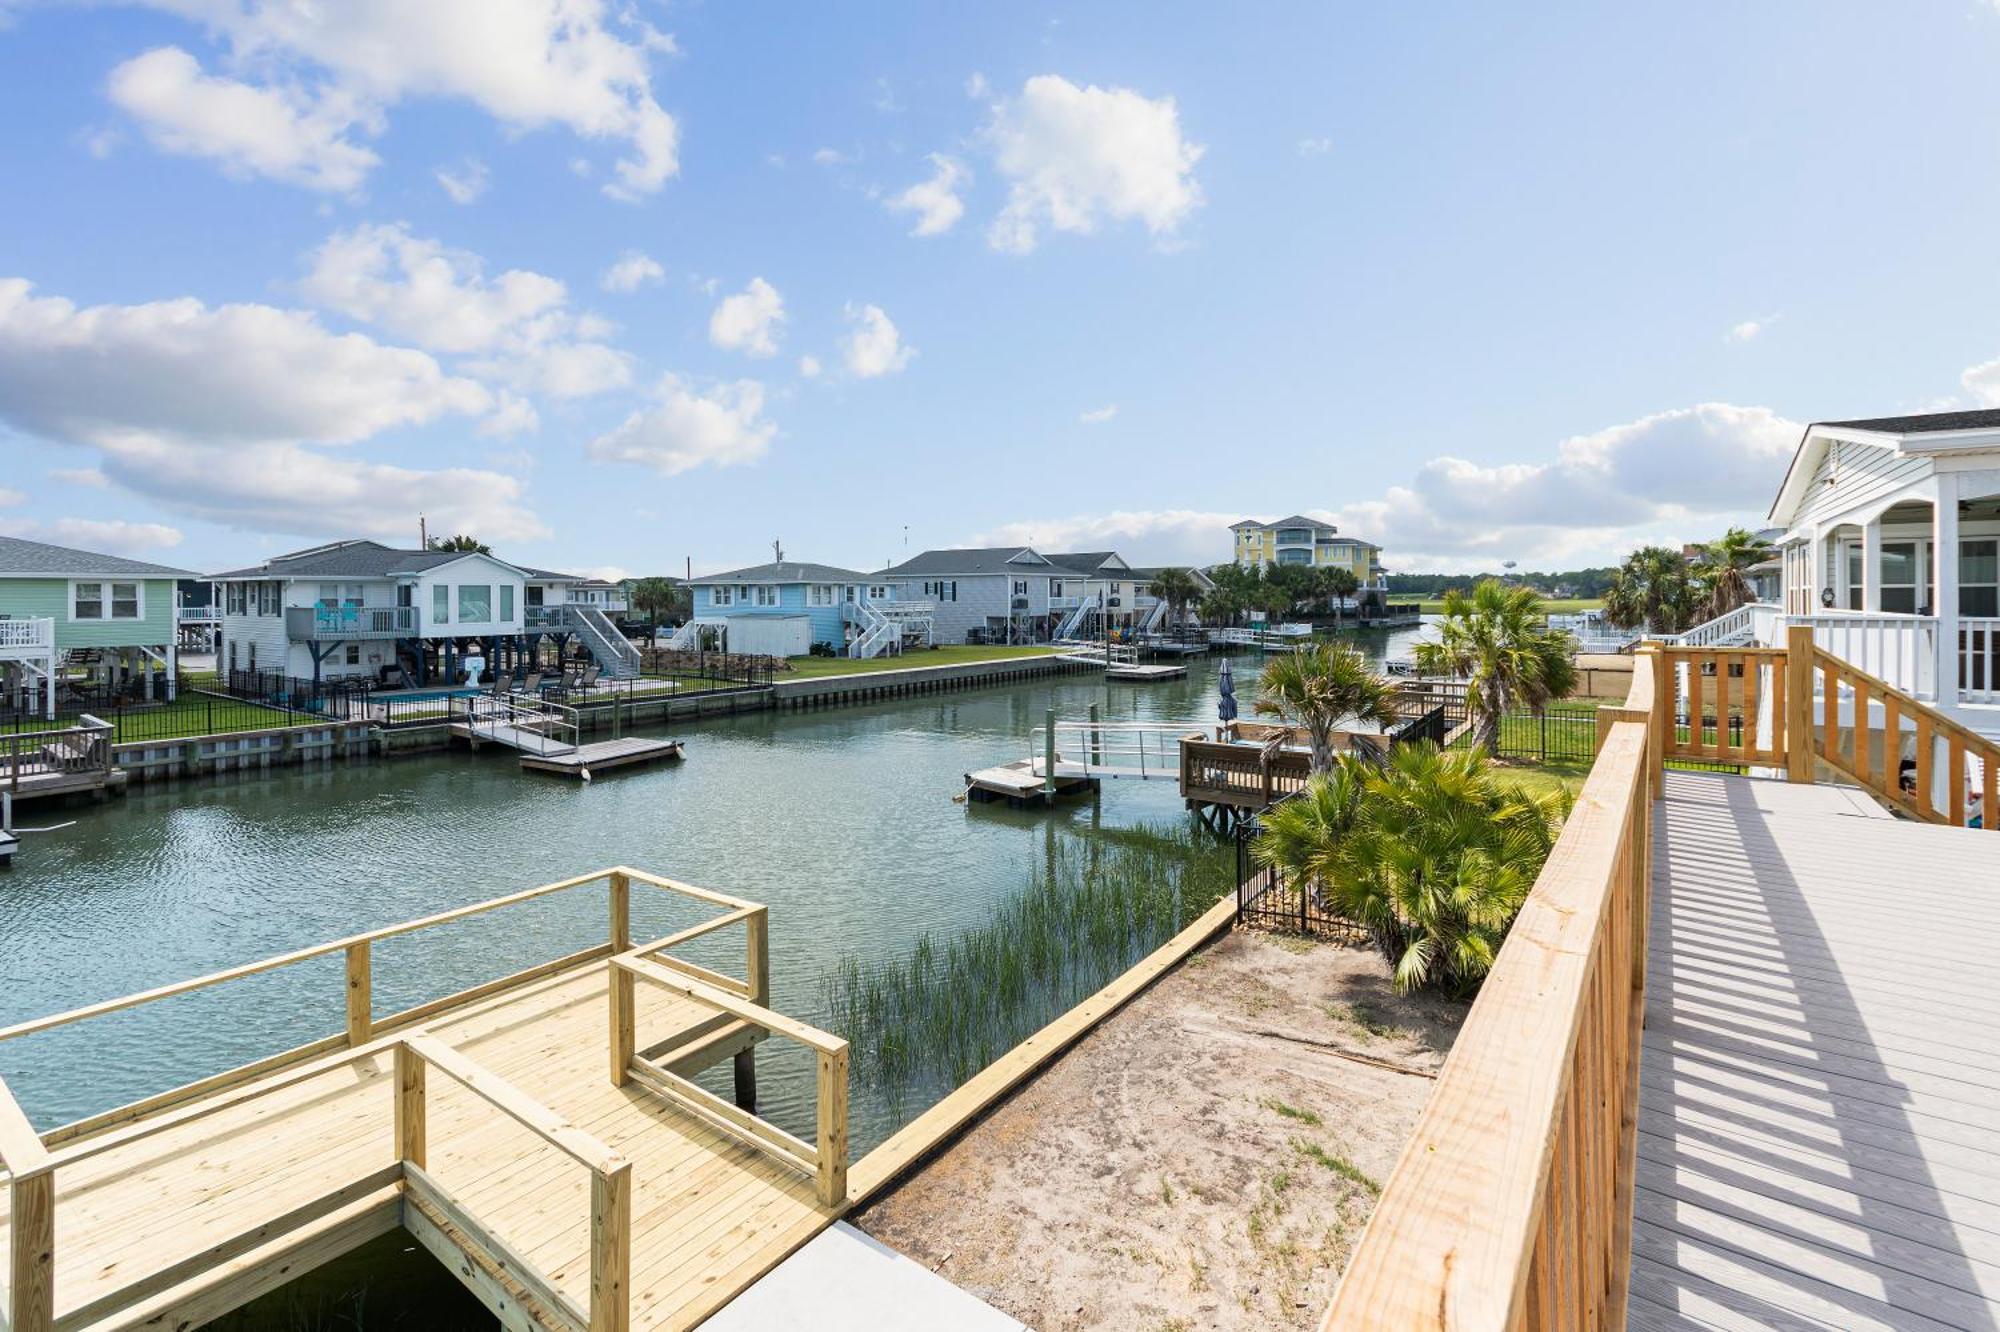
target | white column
[
  {"x": 1944, "y": 585},
  {"x": 1871, "y": 564}
]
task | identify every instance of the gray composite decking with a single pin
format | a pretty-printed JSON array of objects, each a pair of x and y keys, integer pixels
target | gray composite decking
[{"x": 1819, "y": 1129}]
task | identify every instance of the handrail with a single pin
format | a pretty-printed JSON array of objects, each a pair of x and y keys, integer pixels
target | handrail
[
  {"x": 825, "y": 1158},
  {"x": 610, "y": 1176},
  {"x": 1514, "y": 1192},
  {"x": 1937, "y": 741}
]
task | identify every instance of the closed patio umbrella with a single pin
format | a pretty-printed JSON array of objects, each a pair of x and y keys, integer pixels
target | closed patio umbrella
[{"x": 1225, "y": 706}]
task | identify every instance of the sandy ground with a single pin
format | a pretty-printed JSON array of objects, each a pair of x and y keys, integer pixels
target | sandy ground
[{"x": 1205, "y": 1159}]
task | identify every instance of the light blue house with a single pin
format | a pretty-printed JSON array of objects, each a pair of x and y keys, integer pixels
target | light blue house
[{"x": 787, "y": 608}]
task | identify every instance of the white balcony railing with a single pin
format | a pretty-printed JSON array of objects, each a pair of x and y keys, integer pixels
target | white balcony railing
[
  {"x": 209, "y": 614},
  {"x": 321, "y": 623},
  {"x": 1899, "y": 649},
  {"x": 28, "y": 635}
]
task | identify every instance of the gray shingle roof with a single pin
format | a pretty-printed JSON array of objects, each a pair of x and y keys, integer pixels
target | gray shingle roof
[
  {"x": 1986, "y": 419},
  {"x": 790, "y": 571},
  {"x": 21, "y": 558},
  {"x": 349, "y": 559},
  {"x": 1083, "y": 559},
  {"x": 977, "y": 560}
]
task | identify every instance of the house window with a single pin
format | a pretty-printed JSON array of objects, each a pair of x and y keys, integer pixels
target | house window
[
  {"x": 1900, "y": 578},
  {"x": 232, "y": 654},
  {"x": 253, "y": 657},
  {"x": 1020, "y": 587},
  {"x": 1979, "y": 578},
  {"x": 232, "y": 598},
  {"x": 441, "y": 604},
  {"x": 1055, "y": 587},
  {"x": 878, "y": 593},
  {"x": 822, "y": 594},
  {"x": 767, "y": 595},
  {"x": 125, "y": 601},
  {"x": 721, "y": 596},
  {"x": 507, "y": 601},
  {"x": 354, "y": 654},
  {"x": 475, "y": 603},
  {"x": 268, "y": 598},
  {"x": 86, "y": 601}
]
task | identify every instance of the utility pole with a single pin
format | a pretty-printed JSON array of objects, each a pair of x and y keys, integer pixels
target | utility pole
[{"x": 423, "y": 534}]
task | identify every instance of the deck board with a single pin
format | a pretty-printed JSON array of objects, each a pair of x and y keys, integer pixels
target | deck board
[
  {"x": 1819, "y": 1125},
  {"x": 708, "y": 1212}
]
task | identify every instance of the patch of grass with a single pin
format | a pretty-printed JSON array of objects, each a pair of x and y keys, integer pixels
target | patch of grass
[
  {"x": 1166, "y": 1192},
  {"x": 1335, "y": 1162},
  {"x": 806, "y": 667},
  {"x": 951, "y": 1006},
  {"x": 1293, "y": 1112},
  {"x": 1365, "y": 1017}
]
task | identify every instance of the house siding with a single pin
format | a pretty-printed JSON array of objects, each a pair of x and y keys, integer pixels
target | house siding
[
  {"x": 982, "y": 598},
  {"x": 1852, "y": 475},
  {"x": 793, "y": 598},
  {"x": 48, "y": 598}
]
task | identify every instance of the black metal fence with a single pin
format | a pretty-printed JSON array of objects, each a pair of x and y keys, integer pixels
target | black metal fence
[
  {"x": 1267, "y": 897},
  {"x": 1555, "y": 735},
  {"x": 190, "y": 714},
  {"x": 275, "y": 689},
  {"x": 719, "y": 670}
]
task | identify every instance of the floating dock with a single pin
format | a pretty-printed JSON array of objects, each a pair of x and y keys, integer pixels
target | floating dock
[
  {"x": 1020, "y": 783},
  {"x": 1146, "y": 674},
  {"x": 582, "y": 760}
]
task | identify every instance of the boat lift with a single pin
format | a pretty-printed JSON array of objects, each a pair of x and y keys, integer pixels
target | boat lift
[{"x": 1067, "y": 756}]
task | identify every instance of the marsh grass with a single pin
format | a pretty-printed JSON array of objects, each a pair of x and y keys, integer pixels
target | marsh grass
[{"x": 951, "y": 1006}]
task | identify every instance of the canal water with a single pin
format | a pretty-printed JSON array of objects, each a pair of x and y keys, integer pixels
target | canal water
[{"x": 842, "y": 821}]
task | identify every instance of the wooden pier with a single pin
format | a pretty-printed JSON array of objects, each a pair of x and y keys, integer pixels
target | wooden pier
[
  {"x": 546, "y": 737},
  {"x": 1021, "y": 783},
  {"x": 1145, "y": 672},
  {"x": 599, "y": 755},
  {"x": 539, "y": 1133},
  {"x": 69, "y": 760}
]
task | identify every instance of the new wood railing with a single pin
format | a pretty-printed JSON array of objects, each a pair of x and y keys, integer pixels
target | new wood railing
[
  {"x": 1511, "y": 1207},
  {"x": 31, "y": 1160}
]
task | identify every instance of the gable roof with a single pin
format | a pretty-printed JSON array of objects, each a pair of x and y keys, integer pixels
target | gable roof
[
  {"x": 1153, "y": 571},
  {"x": 976, "y": 560},
  {"x": 1925, "y": 424},
  {"x": 21, "y": 558},
  {"x": 1091, "y": 559},
  {"x": 789, "y": 571},
  {"x": 1300, "y": 520},
  {"x": 357, "y": 559}
]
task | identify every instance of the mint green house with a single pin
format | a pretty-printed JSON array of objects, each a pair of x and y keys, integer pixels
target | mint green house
[{"x": 66, "y": 613}]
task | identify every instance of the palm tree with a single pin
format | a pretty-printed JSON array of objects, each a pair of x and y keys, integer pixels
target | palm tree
[
  {"x": 1725, "y": 563},
  {"x": 1178, "y": 588},
  {"x": 1431, "y": 854},
  {"x": 1497, "y": 641},
  {"x": 1318, "y": 688},
  {"x": 461, "y": 541},
  {"x": 1654, "y": 588},
  {"x": 656, "y": 597},
  {"x": 1341, "y": 583}
]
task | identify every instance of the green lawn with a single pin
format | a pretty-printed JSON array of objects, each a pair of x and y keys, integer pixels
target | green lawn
[
  {"x": 189, "y": 715},
  {"x": 805, "y": 667}
]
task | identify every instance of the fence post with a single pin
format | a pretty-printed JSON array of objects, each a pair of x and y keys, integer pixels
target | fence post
[
  {"x": 611, "y": 1247},
  {"x": 1798, "y": 703},
  {"x": 832, "y": 1135},
  {"x": 31, "y": 1283}
]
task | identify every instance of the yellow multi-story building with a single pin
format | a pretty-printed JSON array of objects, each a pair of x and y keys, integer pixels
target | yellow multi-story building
[{"x": 1298, "y": 540}]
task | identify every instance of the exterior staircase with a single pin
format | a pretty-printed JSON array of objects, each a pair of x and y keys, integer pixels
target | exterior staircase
[
  {"x": 1072, "y": 624},
  {"x": 878, "y": 633},
  {"x": 609, "y": 648},
  {"x": 1155, "y": 619},
  {"x": 1737, "y": 628}
]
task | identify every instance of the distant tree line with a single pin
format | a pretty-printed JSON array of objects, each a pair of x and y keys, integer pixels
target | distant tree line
[{"x": 1575, "y": 583}]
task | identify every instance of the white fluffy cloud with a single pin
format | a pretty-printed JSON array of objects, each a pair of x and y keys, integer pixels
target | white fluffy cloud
[
  {"x": 465, "y": 181},
  {"x": 809, "y": 367},
  {"x": 528, "y": 63},
  {"x": 10, "y": 499},
  {"x": 183, "y": 369},
  {"x": 1075, "y": 156},
  {"x": 750, "y": 321},
  {"x": 872, "y": 346},
  {"x": 111, "y": 535},
  {"x": 282, "y": 132},
  {"x": 518, "y": 323},
  {"x": 1982, "y": 381},
  {"x": 1675, "y": 475},
  {"x": 633, "y": 270},
  {"x": 935, "y": 201},
  {"x": 686, "y": 428},
  {"x": 209, "y": 410},
  {"x": 1099, "y": 415}
]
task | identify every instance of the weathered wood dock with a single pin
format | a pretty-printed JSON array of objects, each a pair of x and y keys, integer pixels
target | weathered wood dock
[
  {"x": 546, "y": 737},
  {"x": 539, "y": 1133},
  {"x": 1022, "y": 783},
  {"x": 69, "y": 760},
  {"x": 600, "y": 755}
]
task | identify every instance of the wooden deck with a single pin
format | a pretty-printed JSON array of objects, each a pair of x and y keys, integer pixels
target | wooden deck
[
  {"x": 538, "y": 1135},
  {"x": 599, "y": 755},
  {"x": 1819, "y": 1129}
]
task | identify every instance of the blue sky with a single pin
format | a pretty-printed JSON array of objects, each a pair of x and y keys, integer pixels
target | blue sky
[{"x": 1478, "y": 282}]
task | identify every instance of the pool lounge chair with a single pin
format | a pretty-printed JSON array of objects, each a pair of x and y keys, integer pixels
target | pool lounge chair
[
  {"x": 398, "y": 678},
  {"x": 532, "y": 686},
  {"x": 589, "y": 677}
]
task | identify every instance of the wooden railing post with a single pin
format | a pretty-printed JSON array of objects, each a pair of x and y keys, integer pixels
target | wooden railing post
[
  {"x": 410, "y": 1129},
  {"x": 31, "y": 1269},
  {"x": 757, "y": 956},
  {"x": 624, "y": 1023},
  {"x": 832, "y": 1139},
  {"x": 621, "y": 911},
  {"x": 1660, "y": 734},
  {"x": 611, "y": 1248},
  {"x": 360, "y": 994},
  {"x": 1798, "y": 702}
]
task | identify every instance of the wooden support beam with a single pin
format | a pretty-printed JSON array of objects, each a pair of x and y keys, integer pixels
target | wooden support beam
[
  {"x": 621, "y": 911},
  {"x": 624, "y": 1023},
  {"x": 1798, "y": 703},
  {"x": 832, "y": 1135},
  {"x": 31, "y": 1224},
  {"x": 410, "y": 1126},
  {"x": 611, "y": 1249}
]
